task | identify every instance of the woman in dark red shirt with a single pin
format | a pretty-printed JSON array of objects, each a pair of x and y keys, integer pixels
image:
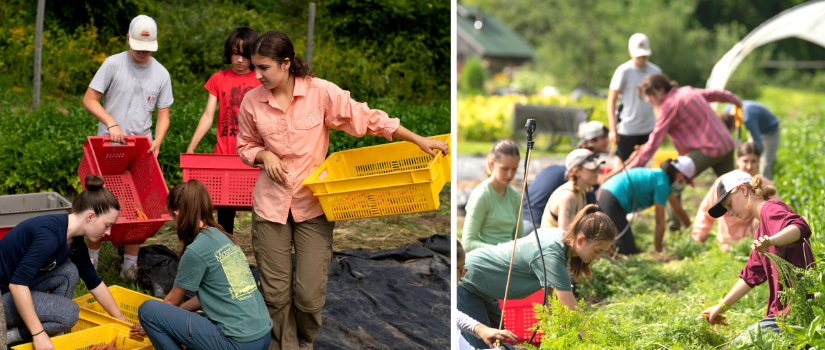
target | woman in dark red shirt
[{"x": 781, "y": 232}]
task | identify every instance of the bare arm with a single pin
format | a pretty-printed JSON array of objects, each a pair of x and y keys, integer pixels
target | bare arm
[
  {"x": 204, "y": 124},
  {"x": 566, "y": 208},
  {"x": 191, "y": 305},
  {"x": 160, "y": 130},
  {"x": 789, "y": 234},
  {"x": 104, "y": 297},
  {"x": 681, "y": 214},
  {"x": 175, "y": 296},
  {"x": 426, "y": 144},
  {"x": 660, "y": 227},
  {"x": 739, "y": 290},
  {"x": 91, "y": 100},
  {"x": 612, "y": 96},
  {"x": 25, "y": 307},
  {"x": 568, "y": 299}
]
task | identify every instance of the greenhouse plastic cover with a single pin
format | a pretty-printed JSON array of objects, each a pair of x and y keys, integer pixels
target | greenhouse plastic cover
[{"x": 805, "y": 21}]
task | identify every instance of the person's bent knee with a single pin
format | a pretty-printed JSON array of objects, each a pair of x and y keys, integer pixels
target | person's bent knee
[{"x": 148, "y": 310}]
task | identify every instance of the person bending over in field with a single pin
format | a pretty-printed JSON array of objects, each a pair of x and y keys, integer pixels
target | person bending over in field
[
  {"x": 640, "y": 188},
  {"x": 468, "y": 325},
  {"x": 781, "y": 232},
  {"x": 590, "y": 234}
]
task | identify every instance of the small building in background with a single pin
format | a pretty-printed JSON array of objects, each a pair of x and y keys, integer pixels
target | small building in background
[{"x": 482, "y": 35}]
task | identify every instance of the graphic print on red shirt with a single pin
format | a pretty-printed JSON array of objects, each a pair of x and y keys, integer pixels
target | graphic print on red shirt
[{"x": 229, "y": 87}]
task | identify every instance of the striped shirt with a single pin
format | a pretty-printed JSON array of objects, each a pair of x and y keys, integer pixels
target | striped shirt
[{"x": 687, "y": 118}]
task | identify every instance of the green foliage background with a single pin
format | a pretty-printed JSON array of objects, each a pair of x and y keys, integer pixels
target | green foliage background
[
  {"x": 393, "y": 54},
  {"x": 581, "y": 42}
]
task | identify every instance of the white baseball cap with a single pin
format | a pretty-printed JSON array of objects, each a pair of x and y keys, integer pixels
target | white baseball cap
[
  {"x": 639, "y": 45},
  {"x": 591, "y": 130},
  {"x": 726, "y": 185},
  {"x": 584, "y": 158},
  {"x": 685, "y": 166},
  {"x": 143, "y": 34}
]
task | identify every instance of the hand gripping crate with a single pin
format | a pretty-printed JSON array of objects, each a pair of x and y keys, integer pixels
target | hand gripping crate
[
  {"x": 228, "y": 180},
  {"x": 391, "y": 179},
  {"x": 134, "y": 177},
  {"x": 128, "y": 301},
  {"x": 17, "y": 208},
  {"x": 520, "y": 318},
  {"x": 101, "y": 335}
]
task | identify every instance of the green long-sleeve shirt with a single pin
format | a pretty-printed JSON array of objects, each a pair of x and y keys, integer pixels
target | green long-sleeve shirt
[{"x": 491, "y": 219}]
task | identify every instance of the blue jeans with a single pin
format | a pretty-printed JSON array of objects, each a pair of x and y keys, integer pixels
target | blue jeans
[
  {"x": 767, "y": 324},
  {"x": 487, "y": 313},
  {"x": 52, "y": 293},
  {"x": 169, "y": 327}
]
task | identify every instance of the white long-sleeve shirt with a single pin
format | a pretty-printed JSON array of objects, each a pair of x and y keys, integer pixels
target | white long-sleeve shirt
[{"x": 464, "y": 323}]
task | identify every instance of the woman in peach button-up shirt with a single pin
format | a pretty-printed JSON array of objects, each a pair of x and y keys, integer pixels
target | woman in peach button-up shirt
[
  {"x": 284, "y": 129},
  {"x": 731, "y": 230}
]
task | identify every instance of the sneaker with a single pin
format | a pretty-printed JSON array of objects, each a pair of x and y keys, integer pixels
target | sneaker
[
  {"x": 130, "y": 273},
  {"x": 303, "y": 344},
  {"x": 94, "y": 263}
]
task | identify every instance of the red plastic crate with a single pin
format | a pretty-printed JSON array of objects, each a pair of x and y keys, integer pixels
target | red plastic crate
[
  {"x": 4, "y": 231},
  {"x": 228, "y": 180},
  {"x": 519, "y": 317},
  {"x": 134, "y": 177}
]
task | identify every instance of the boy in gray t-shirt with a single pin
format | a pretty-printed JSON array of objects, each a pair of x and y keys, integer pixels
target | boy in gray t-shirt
[
  {"x": 132, "y": 84},
  {"x": 637, "y": 119}
]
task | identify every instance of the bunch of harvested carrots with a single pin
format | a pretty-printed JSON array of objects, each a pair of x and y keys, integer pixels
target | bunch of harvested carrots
[
  {"x": 110, "y": 346},
  {"x": 719, "y": 319},
  {"x": 140, "y": 215}
]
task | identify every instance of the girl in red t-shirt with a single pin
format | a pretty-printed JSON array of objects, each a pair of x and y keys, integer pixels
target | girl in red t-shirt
[{"x": 226, "y": 90}]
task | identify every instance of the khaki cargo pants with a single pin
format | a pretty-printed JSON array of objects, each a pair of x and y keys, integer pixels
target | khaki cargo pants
[{"x": 295, "y": 308}]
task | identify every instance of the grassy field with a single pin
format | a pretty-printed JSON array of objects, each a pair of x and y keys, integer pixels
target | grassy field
[{"x": 652, "y": 301}]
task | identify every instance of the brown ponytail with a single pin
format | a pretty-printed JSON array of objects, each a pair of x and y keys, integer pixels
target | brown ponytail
[
  {"x": 501, "y": 148},
  {"x": 191, "y": 200},
  {"x": 748, "y": 148},
  {"x": 277, "y": 46},
  {"x": 96, "y": 197},
  {"x": 596, "y": 227},
  {"x": 573, "y": 176},
  {"x": 761, "y": 189}
]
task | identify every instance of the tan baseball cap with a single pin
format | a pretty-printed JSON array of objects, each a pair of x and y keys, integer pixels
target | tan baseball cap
[{"x": 143, "y": 34}]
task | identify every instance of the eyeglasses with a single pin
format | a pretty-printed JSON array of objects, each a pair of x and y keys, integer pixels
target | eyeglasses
[{"x": 462, "y": 271}]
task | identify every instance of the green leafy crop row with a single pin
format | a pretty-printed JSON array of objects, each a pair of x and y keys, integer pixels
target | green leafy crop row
[{"x": 42, "y": 149}]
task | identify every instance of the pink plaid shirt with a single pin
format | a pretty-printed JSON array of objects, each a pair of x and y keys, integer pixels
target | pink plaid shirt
[
  {"x": 687, "y": 118},
  {"x": 299, "y": 137}
]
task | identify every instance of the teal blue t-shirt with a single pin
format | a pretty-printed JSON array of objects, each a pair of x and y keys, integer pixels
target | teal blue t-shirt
[
  {"x": 649, "y": 186},
  {"x": 217, "y": 270},
  {"x": 487, "y": 267}
]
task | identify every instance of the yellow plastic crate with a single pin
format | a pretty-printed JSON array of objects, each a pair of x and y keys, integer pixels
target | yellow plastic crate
[
  {"x": 128, "y": 302},
  {"x": 661, "y": 156},
  {"x": 101, "y": 335},
  {"x": 391, "y": 179},
  {"x": 91, "y": 319}
]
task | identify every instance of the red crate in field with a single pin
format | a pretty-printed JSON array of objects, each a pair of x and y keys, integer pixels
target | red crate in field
[
  {"x": 520, "y": 319},
  {"x": 228, "y": 180},
  {"x": 134, "y": 177}
]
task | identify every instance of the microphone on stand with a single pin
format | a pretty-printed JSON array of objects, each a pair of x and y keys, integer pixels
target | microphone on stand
[{"x": 531, "y": 127}]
